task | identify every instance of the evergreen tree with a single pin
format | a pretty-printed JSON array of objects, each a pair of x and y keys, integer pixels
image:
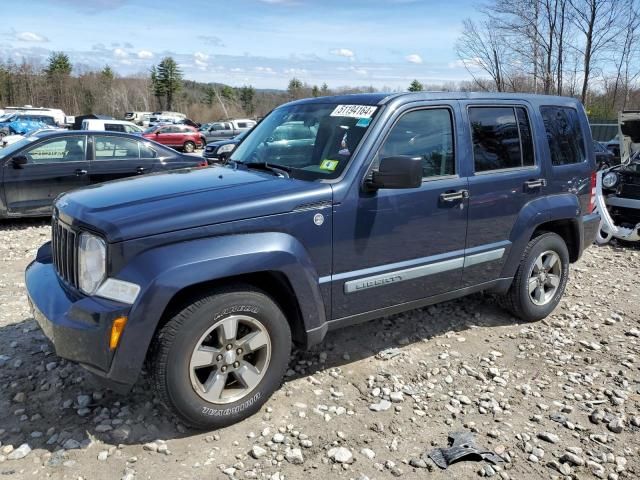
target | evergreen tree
[
  {"x": 59, "y": 65},
  {"x": 107, "y": 73},
  {"x": 295, "y": 88},
  {"x": 166, "y": 80},
  {"x": 247, "y": 95},
  {"x": 416, "y": 86}
]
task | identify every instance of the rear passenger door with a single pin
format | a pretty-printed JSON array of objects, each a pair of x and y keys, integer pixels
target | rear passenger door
[
  {"x": 505, "y": 174},
  {"x": 119, "y": 157}
]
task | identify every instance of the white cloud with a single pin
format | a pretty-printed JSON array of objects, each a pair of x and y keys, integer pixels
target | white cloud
[
  {"x": 200, "y": 60},
  {"x": 120, "y": 53},
  {"x": 31, "y": 37},
  {"x": 413, "y": 58},
  {"x": 466, "y": 63},
  {"x": 145, "y": 54},
  {"x": 268, "y": 70},
  {"x": 342, "y": 52}
]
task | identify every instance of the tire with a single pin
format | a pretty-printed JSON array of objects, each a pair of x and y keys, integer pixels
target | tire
[
  {"x": 518, "y": 299},
  {"x": 189, "y": 147},
  {"x": 183, "y": 387}
]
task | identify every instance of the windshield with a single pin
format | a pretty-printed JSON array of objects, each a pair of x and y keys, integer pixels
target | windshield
[{"x": 313, "y": 140}]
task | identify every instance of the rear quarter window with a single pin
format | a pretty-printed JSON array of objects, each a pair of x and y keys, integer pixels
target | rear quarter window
[{"x": 564, "y": 135}]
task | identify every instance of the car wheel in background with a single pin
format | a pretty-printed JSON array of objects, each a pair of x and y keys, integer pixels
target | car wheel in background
[
  {"x": 189, "y": 147},
  {"x": 219, "y": 359}
]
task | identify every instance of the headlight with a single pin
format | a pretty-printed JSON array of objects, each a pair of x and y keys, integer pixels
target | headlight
[
  {"x": 610, "y": 180},
  {"x": 92, "y": 261},
  {"x": 226, "y": 148}
]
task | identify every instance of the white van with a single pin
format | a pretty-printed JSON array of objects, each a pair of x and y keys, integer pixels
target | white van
[
  {"x": 57, "y": 114},
  {"x": 110, "y": 126},
  {"x": 137, "y": 117}
]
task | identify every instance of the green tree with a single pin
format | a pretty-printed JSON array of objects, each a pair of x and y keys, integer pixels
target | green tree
[
  {"x": 315, "y": 91},
  {"x": 107, "y": 73},
  {"x": 324, "y": 89},
  {"x": 209, "y": 95},
  {"x": 228, "y": 93},
  {"x": 59, "y": 65},
  {"x": 416, "y": 86},
  {"x": 247, "y": 95},
  {"x": 295, "y": 88},
  {"x": 166, "y": 80}
]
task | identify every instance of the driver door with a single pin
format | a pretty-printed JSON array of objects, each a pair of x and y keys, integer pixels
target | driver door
[{"x": 52, "y": 167}]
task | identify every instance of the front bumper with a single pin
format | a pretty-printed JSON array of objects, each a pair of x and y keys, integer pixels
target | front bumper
[{"x": 78, "y": 326}]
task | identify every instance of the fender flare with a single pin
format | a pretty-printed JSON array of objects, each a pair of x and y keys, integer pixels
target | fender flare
[
  {"x": 535, "y": 213},
  {"x": 164, "y": 271}
]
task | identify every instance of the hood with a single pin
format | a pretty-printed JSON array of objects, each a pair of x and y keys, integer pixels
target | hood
[
  {"x": 629, "y": 126},
  {"x": 220, "y": 143},
  {"x": 182, "y": 199}
]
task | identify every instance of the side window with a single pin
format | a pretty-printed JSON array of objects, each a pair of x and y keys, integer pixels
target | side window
[
  {"x": 242, "y": 125},
  {"x": 425, "y": 134},
  {"x": 501, "y": 138},
  {"x": 146, "y": 151},
  {"x": 113, "y": 127},
  {"x": 564, "y": 135},
  {"x": 67, "y": 149},
  {"x": 115, "y": 148}
]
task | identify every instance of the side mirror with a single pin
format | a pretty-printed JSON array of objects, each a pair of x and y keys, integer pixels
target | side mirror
[
  {"x": 18, "y": 161},
  {"x": 397, "y": 172}
]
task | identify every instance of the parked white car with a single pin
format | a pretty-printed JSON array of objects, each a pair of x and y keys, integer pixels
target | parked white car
[
  {"x": 166, "y": 117},
  {"x": 137, "y": 117},
  {"x": 111, "y": 126}
]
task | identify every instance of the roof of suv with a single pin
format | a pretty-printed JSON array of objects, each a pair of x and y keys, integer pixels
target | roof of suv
[{"x": 383, "y": 98}]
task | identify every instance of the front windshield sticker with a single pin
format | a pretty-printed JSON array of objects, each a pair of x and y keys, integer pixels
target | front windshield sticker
[
  {"x": 354, "y": 111},
  {"x": 329, "y": 165},
  {"x": 363, "y": 122}
]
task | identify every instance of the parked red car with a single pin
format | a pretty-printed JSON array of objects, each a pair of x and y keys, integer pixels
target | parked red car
[{"x": 177, "y": 136}]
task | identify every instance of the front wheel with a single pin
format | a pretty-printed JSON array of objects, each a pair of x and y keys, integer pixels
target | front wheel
[
  {"x": 220, "y": 358},
  {"x": 540, "y": 280},
  {"x": 189, "y": 147}
]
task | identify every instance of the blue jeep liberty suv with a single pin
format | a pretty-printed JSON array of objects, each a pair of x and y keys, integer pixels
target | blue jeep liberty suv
[{"x": 332, "y": 211}]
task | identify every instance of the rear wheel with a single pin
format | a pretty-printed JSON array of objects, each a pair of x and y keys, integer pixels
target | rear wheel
[
  {"x": 220, "y": 358},
  {"x": 189, "y": 147},
  {"x": 541, "y": 278}
]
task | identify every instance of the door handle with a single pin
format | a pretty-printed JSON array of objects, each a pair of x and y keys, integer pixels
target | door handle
[
  {"x": 454, "y": 196},
  {"x": 533, "y": 184},
  {"x": 140, "y": 170},
  {"x": 80, "y": 172}
]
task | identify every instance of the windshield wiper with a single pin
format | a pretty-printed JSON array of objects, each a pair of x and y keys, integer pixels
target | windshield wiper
[{"x": 281, "y": 170}]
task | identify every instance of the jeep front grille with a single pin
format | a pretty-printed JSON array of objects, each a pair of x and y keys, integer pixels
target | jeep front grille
[
  {"x": 64, "y": 248},
  {"x": 628, "y": 190}
]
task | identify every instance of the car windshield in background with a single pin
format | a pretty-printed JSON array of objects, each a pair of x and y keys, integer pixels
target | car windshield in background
[{"x": 312, "y": 140}]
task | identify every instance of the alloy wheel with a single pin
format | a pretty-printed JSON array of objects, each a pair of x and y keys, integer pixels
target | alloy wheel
[
  {"x": 545, "y": 277},
  {"x": 230, "y": 359}
]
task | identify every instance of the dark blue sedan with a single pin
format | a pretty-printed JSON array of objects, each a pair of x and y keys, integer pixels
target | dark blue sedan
[{"x": 38, "y": 168}]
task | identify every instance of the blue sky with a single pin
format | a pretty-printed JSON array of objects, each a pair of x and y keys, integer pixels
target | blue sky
[{"x": 384, "y": 43}]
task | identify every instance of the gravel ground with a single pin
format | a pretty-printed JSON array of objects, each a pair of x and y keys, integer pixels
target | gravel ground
[{"x": 555, "y": 399}]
